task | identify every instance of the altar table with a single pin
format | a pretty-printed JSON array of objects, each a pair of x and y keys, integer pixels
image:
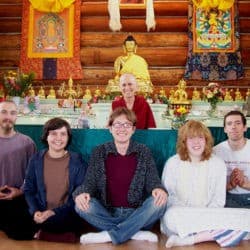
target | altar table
[{"x": 162, "y": 142}]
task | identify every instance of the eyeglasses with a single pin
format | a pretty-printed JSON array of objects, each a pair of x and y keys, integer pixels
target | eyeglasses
[{"x": 122, "y": 125}]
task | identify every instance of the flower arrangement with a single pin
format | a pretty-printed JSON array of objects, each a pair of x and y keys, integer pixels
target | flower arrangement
[
  {"x": 213, "y": 93},
  {"x": 16, "y": 84},
  {"x": 179, "y": 116}
]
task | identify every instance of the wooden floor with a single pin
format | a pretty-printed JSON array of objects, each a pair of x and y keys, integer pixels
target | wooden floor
[{"x": 8, "y": 244}]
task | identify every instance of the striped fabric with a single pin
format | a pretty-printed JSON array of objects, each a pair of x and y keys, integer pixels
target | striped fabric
[{"x": 228, "y": 238}]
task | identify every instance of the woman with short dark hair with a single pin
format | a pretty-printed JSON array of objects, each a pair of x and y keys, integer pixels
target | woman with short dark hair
[{"x": 52, "y": 176}]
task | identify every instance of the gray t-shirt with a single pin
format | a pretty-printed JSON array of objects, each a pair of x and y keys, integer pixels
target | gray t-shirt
[{"x": 14, "y": 156}]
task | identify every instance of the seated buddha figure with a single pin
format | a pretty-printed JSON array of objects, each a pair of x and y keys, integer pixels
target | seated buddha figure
[
  {"x": 87, "y": 95},
  {"x": 228, "y": 96},
  {"x": 247, "y": 94},
  {"x": 238, "y": 96},
  {"x": 133, "y": 64},
  {"x": 196, "y": 95},
  {"x": 70, "y": 93},
  {"x": 32, "y": 92},
  {"x": 180, "y": 95},
  {"x": 52, "y": 93},
  {"x": 41, "y": 93}
]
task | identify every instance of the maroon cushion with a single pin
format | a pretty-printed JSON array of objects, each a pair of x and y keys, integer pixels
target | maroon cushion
[{"x": 67, "y": 237}]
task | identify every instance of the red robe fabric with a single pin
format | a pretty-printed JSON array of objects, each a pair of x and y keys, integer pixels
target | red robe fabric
[{"x": 144, "y": 114}]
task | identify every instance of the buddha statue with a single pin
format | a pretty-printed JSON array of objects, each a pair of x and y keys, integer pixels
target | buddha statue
[
  {"x": 79, "y": 91},
  {"x": 228, "y": 96},
  {"x": 52, "y": 93},
  {"x": 238, "y": 96},
  {"x": 247, "y": 94},
  {"x": 41, "y": 93},
  {"x": 61, "y": 90},
  {"x": 87, "y": 95},
  {"x": 31, "y": 92},
  {"x": 98, "y": 93},
  {"x": 171, "y": 95},
  {"x": 196, "y": 95},
  {"x": 162, "y": 93},
  {"x": 180, "y": 95},
  {"x": 131, "y": 63},
  {"x": 70, "y": 93}
]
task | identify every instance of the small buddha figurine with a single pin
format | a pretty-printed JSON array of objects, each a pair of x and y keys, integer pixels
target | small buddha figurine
[
  {"x": 31, "y": 92},
  {"x": 238, "y": 96},
  {"x": 228, "y": 96},
  {"x": 247, "y": 94},
  {"x": 87, "y": 95},
  {"x": 79, "y": 92},
  {"x": 162, "y": 93},
  {"x": 70, "y": 93},
  {"x": 98, "y": 93},
  {"x": 171, "y": 95},
  {"x": 180, "y": 95},
  {"x": 133, "y": 64},
  {"x": 41, "y": 93},
  {"x": 61, "y": 90},
  {"x": 196, "y": 95},
  {"x": 52, "y": 93}
]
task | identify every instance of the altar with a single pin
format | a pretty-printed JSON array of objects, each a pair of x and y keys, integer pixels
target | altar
[
  {"x": 99, "y": 113},
  {"x": 162, "y": 142}
]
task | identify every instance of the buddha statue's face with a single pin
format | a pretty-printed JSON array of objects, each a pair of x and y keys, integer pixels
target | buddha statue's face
[{"x": 130, "y": 46}]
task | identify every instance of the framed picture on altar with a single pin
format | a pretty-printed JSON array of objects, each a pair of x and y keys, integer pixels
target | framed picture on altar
[{"x": 132, "y": 4}]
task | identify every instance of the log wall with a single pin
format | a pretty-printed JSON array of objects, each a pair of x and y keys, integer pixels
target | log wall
[{"x": 165, "y": 48}]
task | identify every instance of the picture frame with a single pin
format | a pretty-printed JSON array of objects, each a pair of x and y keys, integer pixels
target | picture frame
[
  {"x": 213, "y": 38},
  {"x": 133, "y": 4}
]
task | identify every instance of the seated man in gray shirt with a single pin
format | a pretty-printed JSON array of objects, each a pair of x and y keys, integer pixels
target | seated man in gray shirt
[{"x": 15, "y": 152}]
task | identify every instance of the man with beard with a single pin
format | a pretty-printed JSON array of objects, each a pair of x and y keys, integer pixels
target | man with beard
[
  {"x": 15, "y": 152},
  {"x": 235, "y": 152}
]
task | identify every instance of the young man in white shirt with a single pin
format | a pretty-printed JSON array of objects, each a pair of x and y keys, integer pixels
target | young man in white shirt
[{"x": 236, "y": 153}]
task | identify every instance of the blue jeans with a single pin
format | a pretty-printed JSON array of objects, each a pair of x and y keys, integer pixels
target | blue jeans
[
  {"x": 122, "y": 223},
  {"x": 238, "y": 200}
]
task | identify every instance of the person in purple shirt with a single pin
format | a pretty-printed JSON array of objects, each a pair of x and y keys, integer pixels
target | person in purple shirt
[
  {"x": 16, "y": 149},
  {"x": 122, "y": 194}
]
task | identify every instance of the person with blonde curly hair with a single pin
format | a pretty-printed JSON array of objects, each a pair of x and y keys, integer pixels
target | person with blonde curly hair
[{"x": 196, "y": 182}]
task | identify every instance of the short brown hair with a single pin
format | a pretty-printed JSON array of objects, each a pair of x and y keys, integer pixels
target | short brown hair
[
  {"x": 53, "y": 124},
  {"x": 130, "y": 115},
  {"x": 191, "y": 129},
  {"x": 235, "y": 112}
]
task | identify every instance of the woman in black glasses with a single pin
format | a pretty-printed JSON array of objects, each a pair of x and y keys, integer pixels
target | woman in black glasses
[{"x": 122, "y": 193}]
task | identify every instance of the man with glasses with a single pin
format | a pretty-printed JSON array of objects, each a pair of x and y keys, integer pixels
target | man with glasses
[
  {"x": 236, "y": 153},
  {"x": 15, "y": 152},
  {"x": 122, "y": 192}
]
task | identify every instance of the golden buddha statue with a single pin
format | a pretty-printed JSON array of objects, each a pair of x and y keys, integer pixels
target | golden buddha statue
[
  {"x": 61, "y": 90},
  {"x": 70, "y": 93},
  {"x": 228, "y": 96},
  {"x": 247, "y": 94},
  {"x": 87, "y": 95},
  {"x": 238, "y": 96},
  {"x": 162, "y": 93},
  {"x": 41, "y": 93},
  {"x": 31, "y": 92},
  {"x": 171, "y": 95},
  {"x": 79, "y": 91},
  {"x": 98, "y": 93},
  {"x": 196, "y": 95},
  {"x": 133, "y": 64},
  {"x": 180, "y": 95},
  {"x": 52, "y": 93}
]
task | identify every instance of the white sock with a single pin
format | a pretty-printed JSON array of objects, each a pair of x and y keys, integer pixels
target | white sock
[
  {"x": 145, "y": 235},
  {"x": 175, "y": 240},
  {"x": 101, "y": 237}
]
